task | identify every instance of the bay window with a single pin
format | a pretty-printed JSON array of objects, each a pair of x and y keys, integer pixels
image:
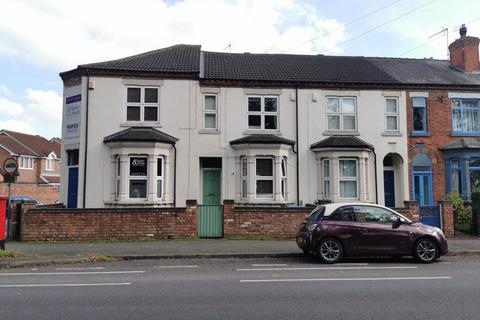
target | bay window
[
  {"x": 326, "y": 178},
  {"x": 138, "y": 177},
  {"x": 341, "y": 113},
  {"x": 264, "y": 178},
  {"x": 284, "y": 177},
  {"x": 348, "y": 178},
  {"x": 243, "y": 177},
  {"x": 262, "y": 112},
  {"x": 160, "y": 178}
]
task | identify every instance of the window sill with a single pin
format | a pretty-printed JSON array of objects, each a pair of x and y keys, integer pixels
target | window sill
[
  {"x": 341, "y": 133},
  {"x": 464, "y": 134},
  {"x": 261, "y": 131},
  {"x": 420, "y": 134},
  {"x": 208, "y": 131},
  {"x": 140, "y": 124},
  {"x": 392, "y": 134}
]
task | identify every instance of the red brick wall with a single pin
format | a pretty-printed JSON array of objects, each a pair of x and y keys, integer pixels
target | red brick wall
[
  {"x": 113, "y": 223},
  {"x": 447, "y": 218},
  {"x": 464, "y": 54},
  {"x": 44, "y": 194},
  {"x": 257, "y": 222},
  {"x": 439, "y": 127}
]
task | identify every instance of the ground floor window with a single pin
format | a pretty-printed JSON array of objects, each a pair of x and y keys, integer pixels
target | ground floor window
[
  {"x": 264, "y": 177},
  {"x": 348, "y": 178},
  {"x": 138, "y": 177},
  {"x": 326, "y": 178},
  {"x": 464, "y": 176}
]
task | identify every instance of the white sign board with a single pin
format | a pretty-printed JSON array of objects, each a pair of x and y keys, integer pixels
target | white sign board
[{"x": 72, "y": 116}]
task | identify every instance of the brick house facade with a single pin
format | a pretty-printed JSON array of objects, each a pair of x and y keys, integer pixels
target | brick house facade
[{"x": 39, "y": 165}]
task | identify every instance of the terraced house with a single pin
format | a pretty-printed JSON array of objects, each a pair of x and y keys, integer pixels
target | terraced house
[{"x": 181, "y": 123}]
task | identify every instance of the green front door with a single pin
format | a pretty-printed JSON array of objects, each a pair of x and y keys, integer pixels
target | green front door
[{"x": 210, "y": 213}]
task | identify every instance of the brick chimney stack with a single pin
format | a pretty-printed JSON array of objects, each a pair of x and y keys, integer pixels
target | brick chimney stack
[{"x": 464, "y": 52}]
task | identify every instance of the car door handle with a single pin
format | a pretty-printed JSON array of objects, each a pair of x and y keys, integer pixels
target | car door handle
[{"x": 363, "y": 230}]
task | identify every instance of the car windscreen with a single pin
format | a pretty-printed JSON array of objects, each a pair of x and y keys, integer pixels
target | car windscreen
[{"x": 316, "y": 214}]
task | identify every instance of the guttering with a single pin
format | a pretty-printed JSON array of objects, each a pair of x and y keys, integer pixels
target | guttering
[
  {"x": 296, "y": 142},
  {"x": 376, "y": 181},
  {"x": 175, "y": 177},
  {"x": 86, "y": 141}
]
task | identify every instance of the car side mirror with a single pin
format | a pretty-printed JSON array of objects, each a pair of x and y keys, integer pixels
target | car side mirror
[{"x": 397, "y": 223}]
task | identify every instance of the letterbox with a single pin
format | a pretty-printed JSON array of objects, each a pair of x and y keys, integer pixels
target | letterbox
[{"x": 3, "y": 220}]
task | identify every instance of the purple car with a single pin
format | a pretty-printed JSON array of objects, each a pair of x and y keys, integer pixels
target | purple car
[{"x": 336, "y": 230}]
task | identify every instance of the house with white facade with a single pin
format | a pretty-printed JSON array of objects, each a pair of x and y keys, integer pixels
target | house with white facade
[{"x": 179, "y": 123}]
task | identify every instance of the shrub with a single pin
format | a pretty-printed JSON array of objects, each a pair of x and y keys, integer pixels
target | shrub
[{"x": 462, "y": 215}]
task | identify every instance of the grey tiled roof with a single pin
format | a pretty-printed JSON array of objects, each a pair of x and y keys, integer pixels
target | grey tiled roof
[
  {"x": 262, "y": 139},
  {"x": 424, "y": 71},
  {"x": 289, "y": 67},
  {"x": 179, "y": 58},
  {"x": 140, "y": 134},
  {"x": 463, "y": 143},
  {"x": 342, "y": 142}
]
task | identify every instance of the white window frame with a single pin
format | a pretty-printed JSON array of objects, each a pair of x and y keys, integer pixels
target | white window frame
[
  {"x": 262, "y": 113},
  {"x": 142, "y": 104},
  {"x": 342, "y": 178},
  {"x": 284, "y": 175},
  {"x": 214, "y": 112},
  {"x": 50, "y": 163},
  {"x": 118, "y": 176},
  {"x": 326, "y": 179},
  {"x": 391, "y": 114},
  {"x": 130, "y": 177},
  {"x": 26, "y": 163},
  {"x": 266, "y": 178},
  {"x": 243, "y": 177},
  {"x": 341, "y": 114},
  {"x": 160, "y": 178}
]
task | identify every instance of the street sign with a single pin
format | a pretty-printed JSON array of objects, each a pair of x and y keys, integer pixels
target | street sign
[{"x": 10, "y": 165}]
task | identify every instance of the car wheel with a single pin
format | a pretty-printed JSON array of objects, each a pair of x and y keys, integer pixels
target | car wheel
[
  {"x": 330, "y": 250},
  {"x": 425, "y": 250}
]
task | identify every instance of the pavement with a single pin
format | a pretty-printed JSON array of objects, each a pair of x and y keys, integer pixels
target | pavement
[{"x": 44, "y": 253}]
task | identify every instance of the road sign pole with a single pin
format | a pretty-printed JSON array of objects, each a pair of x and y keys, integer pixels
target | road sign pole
[{"x": 9, "y": 217}]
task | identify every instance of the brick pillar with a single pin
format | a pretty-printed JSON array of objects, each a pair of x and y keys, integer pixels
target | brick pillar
[
  {"x": 228, "y": 218},
  {"x": 447, "y": 218},
  {"x": 192, "y": 210},
  {"x": 413, "y": 210}
]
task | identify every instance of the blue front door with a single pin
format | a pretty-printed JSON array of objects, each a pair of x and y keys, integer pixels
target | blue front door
[
  {"x": 422, "y": 188},
  {"x": 389, "y": 188},
  {"x": 72, "y": 187}
]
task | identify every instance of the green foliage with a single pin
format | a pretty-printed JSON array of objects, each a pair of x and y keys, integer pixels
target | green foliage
[
  {"x": 102, "y": 258},
  {"x": 7, "y": 254},
  {"x": 462, "y": 215}
]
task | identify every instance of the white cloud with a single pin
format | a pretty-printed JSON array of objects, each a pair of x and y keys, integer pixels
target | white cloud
[
  {"x": 17, "y": 125},
  {"x": 41, "y": 111},
  {"x": 63, "y": 34}
]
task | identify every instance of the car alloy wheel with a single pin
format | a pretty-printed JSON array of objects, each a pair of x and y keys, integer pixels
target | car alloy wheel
[
  {"x": 426, "y": 250},
  {"x": 330, "y": 250}
]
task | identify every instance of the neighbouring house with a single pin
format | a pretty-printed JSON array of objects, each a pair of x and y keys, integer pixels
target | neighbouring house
[
  {"x": 179, "y": 123},
  {"x": 38, "y": 165}
]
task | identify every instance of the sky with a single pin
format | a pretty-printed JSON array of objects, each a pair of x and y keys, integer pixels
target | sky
[{"x": 41, "y": 38}]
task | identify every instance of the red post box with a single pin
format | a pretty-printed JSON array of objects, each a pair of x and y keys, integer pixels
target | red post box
[{"x": 3, "y": 220}]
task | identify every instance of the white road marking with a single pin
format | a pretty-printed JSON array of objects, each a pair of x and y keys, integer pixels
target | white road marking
[
  {"x": 445, "y": 262},
  {"x": 65, "y": 285},
  {"x": 269, "y": 265},
  {"x": 323, "y": 268},
  {"x": 345, "y": 279},
  {"x": 82, "y": 268},
  {"x": 68, "y": 273},
  {"x": 179, "y": 266}
]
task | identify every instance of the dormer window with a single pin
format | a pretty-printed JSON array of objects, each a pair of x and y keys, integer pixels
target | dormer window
[{"x": 50, "y": 163}]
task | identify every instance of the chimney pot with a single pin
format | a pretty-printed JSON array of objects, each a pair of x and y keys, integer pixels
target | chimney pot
[
  {"x": 464, "y": 52},
  {"x": 463, "y": 31}
]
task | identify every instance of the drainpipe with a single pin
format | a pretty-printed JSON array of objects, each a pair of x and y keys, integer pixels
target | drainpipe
[
  {"x": 86, "y": 140},
  {"x": 296, "y": 143},
  {"x": 175, "y": 176},
  {"x": 376, "y": 182}
]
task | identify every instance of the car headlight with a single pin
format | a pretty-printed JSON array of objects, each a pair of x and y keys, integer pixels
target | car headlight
[{"x": 312, "y": 227}]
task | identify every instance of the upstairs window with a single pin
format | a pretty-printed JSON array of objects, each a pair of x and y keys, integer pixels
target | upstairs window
[
  {"x": 263, "y": 112},
  {"x": 210, "y": 111},
  {"x": 50, "y": 163},
  {"x": 391, "y": 114},
  {"x": 26, "y": 163},
  {"x": 142, "y": 104},
  {"x": 466, "y": 116},
  {"x": 341, "y": 113},
  {"x": 72, "y": 157},
  {"x": 419, "y": 115}
]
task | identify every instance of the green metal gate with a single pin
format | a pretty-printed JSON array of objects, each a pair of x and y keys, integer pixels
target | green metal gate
[
  {"x": 210, "y": 213},
  {"x": 210, "y": 221}
]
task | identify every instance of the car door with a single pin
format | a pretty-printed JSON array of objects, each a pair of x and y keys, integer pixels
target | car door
[
  {"x": 378, "y": 232},
  {"x": 340, "y": 225}
]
